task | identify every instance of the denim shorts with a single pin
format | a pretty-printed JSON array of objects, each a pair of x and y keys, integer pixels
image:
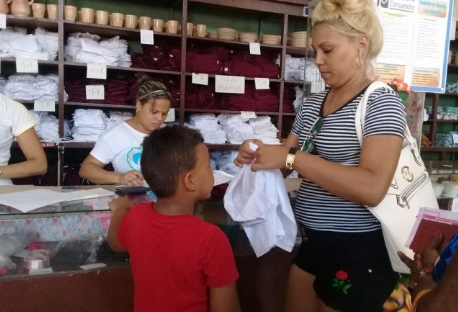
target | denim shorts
[{"x": 353, "y": 271}]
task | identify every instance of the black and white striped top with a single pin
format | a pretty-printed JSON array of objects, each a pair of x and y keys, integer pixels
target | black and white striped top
[{"x": 337, "y": 142}]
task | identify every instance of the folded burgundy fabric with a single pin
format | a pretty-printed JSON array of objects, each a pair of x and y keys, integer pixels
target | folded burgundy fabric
[{"x": 201, "y": 97}]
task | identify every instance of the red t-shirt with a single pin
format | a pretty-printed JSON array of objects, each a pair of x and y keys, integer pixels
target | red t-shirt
[{"x": 174, "y": 260}]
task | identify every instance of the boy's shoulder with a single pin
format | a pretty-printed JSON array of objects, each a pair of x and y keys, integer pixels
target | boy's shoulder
[{"x": 199, "y": 227}]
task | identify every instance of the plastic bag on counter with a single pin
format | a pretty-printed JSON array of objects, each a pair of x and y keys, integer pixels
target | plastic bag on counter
[{"x": 9, "y": 245}]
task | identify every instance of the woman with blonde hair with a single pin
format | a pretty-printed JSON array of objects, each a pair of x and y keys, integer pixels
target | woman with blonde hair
[
  {"x": 343, "y": 265},
  {"x": 121, "y": 145}
]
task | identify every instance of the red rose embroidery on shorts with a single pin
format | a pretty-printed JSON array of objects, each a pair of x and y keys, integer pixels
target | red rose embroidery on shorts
[
  {"x": 341, "y": 275},
  {"x": 341, "y": 282}
]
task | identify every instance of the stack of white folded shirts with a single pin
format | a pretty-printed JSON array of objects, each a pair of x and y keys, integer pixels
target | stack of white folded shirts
[
  {"x": 208, "y": 126},
  {"x": 47, "y": 127},
  {"x": 300, "y": 68},
  {"x": 237, "y": 130},
  {"x": 86, "y": 48},
  {"x": 30, "y": 87},
  {"x": 88, "y": 124},
  {"x": 264, "y": 130},
  {"x": 224, "y": 160},
  {"x": 48, "y": 42},
  {"x": 16, "y": 43},
  {"x": 294, "y": 67},
  {"x": 119, "y": 46},
  {"x": 117, "y": 117}
]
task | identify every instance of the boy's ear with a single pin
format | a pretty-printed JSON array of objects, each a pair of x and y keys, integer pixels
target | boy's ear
[{"x": 189, "y": 181}]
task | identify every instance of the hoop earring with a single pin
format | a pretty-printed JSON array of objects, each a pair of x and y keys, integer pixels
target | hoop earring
[{"x": 358, "y": 62}]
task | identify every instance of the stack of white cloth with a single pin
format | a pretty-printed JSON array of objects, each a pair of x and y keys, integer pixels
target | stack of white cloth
[
  {"x": 117, "y": 117},
  {"x": 208, "y": 126},
  {"x": 88, "y": 124},
  {"x": 259, "y": 201},
  {"x": 264, "y": 130},
  {"x": 15, "y": 42},
  {"x": 47, "y": 126},
  {"x": 300, "y": 68},
  {"x": 236, "y": 128},
  {"x": 87, "y": 48},
  {"x": 224, "y": 161},
  {"x": 30, "y": 87},
  {"x": 48, "y": 42}
]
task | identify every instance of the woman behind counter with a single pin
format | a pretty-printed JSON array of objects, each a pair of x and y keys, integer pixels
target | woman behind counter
[
  {"x": 16, "y": 122},
  {"x": 121, "y": 144}
]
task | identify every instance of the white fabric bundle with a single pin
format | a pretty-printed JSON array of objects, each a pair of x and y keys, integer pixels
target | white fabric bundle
[
  {"x": 264, "y": 130},
  {"x": 260, "y": 202},
  {"x": 86, "y": 48},
  {"x": 209, "y": 127},
  {"x": 88, "y": 124},
  {"x": 16, "y": 43},
  {"x": 30, "y": 87}
]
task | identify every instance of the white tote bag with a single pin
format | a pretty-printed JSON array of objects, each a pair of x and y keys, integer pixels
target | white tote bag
[{"x": 409, "y": 190}]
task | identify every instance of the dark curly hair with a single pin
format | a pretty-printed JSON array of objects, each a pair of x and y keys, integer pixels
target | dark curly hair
[{"x": 167, "y": 153}]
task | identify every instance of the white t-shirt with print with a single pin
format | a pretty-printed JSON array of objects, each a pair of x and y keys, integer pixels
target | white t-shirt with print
[
  {"x": 120, "y": 145},
  {"x": 15, "y": 119}
]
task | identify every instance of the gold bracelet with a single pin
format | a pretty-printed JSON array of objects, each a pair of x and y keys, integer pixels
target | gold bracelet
[{"x": 290, "y": 158}]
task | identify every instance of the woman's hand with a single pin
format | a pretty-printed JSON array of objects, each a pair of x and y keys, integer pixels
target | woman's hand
[
  {"x": 246, "y": 153},
  {"x": 269, "y": 157},
  {"x": 131, "y": 178},
  {"x": 426, "y": 259}
]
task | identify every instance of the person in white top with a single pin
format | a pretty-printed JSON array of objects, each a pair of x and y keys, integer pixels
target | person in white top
[
  {"x": 121, "y": 145},
  {"x": 16, "y": 122}
]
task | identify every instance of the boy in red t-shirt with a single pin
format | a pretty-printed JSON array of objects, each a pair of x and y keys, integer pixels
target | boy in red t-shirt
[{"x": 179, "y": 262}]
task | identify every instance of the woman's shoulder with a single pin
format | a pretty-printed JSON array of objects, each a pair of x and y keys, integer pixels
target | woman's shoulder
[
  {"x": 316, "y": 99},
  {"x": 384, "y": 92},
  {"x": 121, "y": 126}
]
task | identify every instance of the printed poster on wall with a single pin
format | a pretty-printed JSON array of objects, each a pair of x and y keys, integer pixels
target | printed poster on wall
[{"x": 416, "y": 42}]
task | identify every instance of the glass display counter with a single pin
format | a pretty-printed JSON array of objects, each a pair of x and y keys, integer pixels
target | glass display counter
[{"x": 74, "y": 234}]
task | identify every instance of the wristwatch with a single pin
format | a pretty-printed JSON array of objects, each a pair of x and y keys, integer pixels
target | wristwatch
[{"x": 290, "y": 158}]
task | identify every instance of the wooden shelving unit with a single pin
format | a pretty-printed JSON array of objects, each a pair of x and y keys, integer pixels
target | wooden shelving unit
[
  {"x": 434, "y": 123},
  {"x": 283, "y": 12}
]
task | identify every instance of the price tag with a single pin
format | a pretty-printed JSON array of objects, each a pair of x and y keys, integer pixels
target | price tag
[
  {"x": 248, "y": 115},
  {"x": 95, "y": 92},
  {"x": 255, "y": 48},
  {"x": 261, "y": 83},
  {"x": 201, "y": 79},
  {"x": 3, "y": 21},
  {"x": 170, "y": 115},
  {"x": 26, "y": 66},
  {"x": 229, "y": 84},
  {"x": 146, "y": 36},
  {"x": 44, "y": 106},
  {"x": 96, "y": 71}
]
